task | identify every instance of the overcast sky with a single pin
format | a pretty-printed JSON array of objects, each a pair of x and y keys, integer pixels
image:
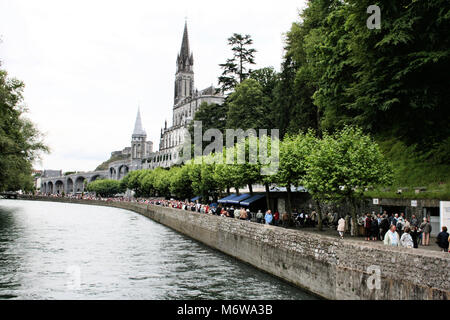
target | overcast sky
[{"x": 87, "y": 65}]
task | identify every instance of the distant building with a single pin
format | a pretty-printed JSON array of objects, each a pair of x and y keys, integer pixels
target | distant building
[{"x": 52, "y": 173}]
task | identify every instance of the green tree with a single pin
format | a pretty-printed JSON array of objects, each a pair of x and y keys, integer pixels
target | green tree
[
  {"x": 268, "y": 79},
  {"x": 212, "y": 116},
  {"x": 248, "y": 107},
  {"x": 106, "y": 188},
  {"x": 222, "y": 174},
  {"x": 133, "y": 181},
  {"x": 20, "y": 142},
  {"x": 147, "y": 184},
  {"x": 294, "y": 151},
  {"x": 162, "y": 179},
  {"x": 180, "y": 183},
  {"x": 236, "y": 69},
  {"x": 342, "y": 166}
]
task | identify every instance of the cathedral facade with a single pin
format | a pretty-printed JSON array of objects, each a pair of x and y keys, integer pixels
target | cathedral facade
[{"x": 187, "y": 101}]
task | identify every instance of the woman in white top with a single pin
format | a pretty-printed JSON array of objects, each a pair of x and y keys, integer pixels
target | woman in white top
[
  {"x": 406, "y": 240},
  {"x": 341, "y": 227}
]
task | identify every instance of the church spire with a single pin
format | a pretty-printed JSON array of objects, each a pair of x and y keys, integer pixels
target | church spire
[
  {"x": 185, "y": 50},
  {"x": 185, "y": 59},
  {"x": 138, "y": 130}
]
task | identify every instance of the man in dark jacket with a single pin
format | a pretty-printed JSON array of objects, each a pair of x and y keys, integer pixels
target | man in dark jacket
[
  {"x": 442, "y": 239},
  {"x": 384, "y": 226}
]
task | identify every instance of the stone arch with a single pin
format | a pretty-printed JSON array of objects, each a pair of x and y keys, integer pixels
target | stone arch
[
  {"x": 59, "y": 187},
  {"x": 79, "y": 184},
  {"x": 123, "y": 171},
  {"x": 69, "y": 185},
  {"x": 112, "y": 173},
  {"x": 44, "y": 187},
  {"x": 50, "y": 187},
  {"x": 93, "y": 178}
]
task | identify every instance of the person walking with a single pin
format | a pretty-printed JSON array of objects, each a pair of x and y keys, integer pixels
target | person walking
[
  {"x": 237, "y": 214},
  {"x": 374, "y": 230},
  {"x": 406, "y": 240},
  {"x": 414, "y": 221},
  {"x": 391, "y": 237},
  {"x": 415, "y": 235},
  {"x": 400, "y": 225},
  {"x": 425, "y": 227},
  {"x": 276, "y": 218},
  {"x": 442, "y": 239},
  {"x": 341, "y": 227},
  {"x": 243, "y": 215},
  {"x": 259, "y": 216},
  {"x": 384, "y": 226},
  {"x": 268, "y": 217},
  {"x": 367, "y": 226},
  {"x": 285, "y": 220}
]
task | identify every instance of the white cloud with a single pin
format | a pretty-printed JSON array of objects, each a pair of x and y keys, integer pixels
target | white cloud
[{"x": 87, "y": 64}]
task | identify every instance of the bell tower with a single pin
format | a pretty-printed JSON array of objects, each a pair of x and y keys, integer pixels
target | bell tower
[
  {"x": 138, "y": 139},
  {"x": 184, "y": 78}
]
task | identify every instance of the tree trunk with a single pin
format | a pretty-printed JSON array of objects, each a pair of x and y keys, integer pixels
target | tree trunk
[
  {"x": 228, "y": 191},
  {"x": 237, "y": 191},
  {"x": 288, "y": 204},
  {"x": 250, "y": 188},
  {"x": 354, "y": 219},
  {"x": 267, "y": 196},
  {"x": 319, "y": 215}
]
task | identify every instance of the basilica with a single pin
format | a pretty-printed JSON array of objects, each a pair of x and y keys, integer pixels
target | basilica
[{"x": 187, "y": 100}]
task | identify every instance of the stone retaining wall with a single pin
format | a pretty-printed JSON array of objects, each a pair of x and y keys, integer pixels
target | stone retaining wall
[{"x": 325, "y": 266}]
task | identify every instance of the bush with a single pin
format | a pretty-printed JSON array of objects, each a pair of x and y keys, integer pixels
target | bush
[{"x": 106, "y": 188}]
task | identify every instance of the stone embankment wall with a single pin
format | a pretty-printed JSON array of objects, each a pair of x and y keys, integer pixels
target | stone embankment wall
[{"x": 323, "y": 265}]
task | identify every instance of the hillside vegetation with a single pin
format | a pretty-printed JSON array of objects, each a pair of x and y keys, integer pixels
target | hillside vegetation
[
  {"x": 413, "y": 170},
  {"x": 105, "y": 165}
]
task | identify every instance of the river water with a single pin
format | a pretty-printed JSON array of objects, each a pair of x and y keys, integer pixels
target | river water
[{"x": 67, "y": 251}]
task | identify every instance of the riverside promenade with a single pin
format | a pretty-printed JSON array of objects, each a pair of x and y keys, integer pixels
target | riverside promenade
[{"x": 323, "y": 265}]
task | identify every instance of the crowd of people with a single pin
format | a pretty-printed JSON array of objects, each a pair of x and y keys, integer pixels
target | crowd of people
[
  {"x": 398, "y": 230},
  {"x": 394, "y": 230}
]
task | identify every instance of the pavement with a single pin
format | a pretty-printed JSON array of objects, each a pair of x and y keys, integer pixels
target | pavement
[{"x": 333, "y": 233}]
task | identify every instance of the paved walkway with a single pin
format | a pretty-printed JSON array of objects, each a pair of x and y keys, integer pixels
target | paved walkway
[{"x": 333, "y": 233}]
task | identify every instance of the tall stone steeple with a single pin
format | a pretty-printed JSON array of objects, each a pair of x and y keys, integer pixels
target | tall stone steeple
[
  {"x": 184, "y": 79},
  {"x": 138, "y": 130},
  {"x": 139, "y": 139}
]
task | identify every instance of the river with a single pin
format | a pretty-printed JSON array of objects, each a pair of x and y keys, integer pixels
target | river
[{"x": 67, "y": 251}]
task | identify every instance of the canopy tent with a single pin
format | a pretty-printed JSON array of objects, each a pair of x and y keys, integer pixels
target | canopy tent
[
  {"x": 226, "y": 199},
  {"x": 196, "y": 198},
  {"x": 249, "y": 201},
  {"x": 239, "y": 198}
]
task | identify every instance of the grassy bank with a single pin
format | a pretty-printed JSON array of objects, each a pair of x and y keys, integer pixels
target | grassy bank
[{"x": 412, "y": 171}]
